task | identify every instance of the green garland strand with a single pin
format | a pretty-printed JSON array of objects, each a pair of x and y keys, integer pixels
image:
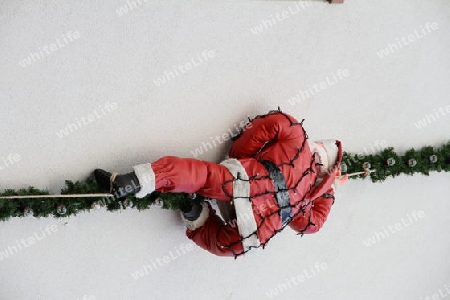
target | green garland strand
[
  {"x": 387, "y": 163},
  {"x": 63, "y": 207}
]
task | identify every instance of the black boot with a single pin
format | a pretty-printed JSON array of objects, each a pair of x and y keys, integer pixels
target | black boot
[{"x": 118, "y": 185}]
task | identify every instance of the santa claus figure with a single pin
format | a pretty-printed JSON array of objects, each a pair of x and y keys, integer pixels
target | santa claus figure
[{"x": 273, "y": 178}]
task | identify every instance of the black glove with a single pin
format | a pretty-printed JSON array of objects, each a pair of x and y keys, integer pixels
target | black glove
[{"x": 191, "y": 211}]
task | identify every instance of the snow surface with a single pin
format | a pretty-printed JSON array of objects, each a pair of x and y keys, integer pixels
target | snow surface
[{"x": 234, "y": 73}]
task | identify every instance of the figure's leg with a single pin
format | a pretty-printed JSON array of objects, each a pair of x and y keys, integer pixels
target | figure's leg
[
  {"x": 169, "y": 174},
  {"x": 188, "y": 175}
]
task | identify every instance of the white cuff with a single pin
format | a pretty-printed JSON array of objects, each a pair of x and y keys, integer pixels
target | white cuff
[{"x": 146, "y": 178}]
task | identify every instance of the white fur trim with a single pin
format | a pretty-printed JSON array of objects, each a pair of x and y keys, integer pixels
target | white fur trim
[
  {"x": 146, "y": 177},
  {"x": 197, "y": 223},
  {"x": 328, "y": 154},
  {"x": 323, "y": 160},
  {"x": 332, "y": 151},
  {"x": 244, "y": 212}
]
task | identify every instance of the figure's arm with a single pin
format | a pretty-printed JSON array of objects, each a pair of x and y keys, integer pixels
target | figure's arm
[
  {"x": 316, "y": 215},
  {"x": 212, "y": 234},
  {"x": 274, "y": 126}
]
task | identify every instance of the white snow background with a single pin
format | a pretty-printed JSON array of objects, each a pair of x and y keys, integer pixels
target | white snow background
[{"x": 97, "y": 55}]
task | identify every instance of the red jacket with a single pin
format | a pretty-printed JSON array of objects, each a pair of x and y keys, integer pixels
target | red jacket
[{"x": 281, "y": 139}]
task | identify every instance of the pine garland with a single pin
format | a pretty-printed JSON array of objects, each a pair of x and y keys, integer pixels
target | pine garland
[
  {"x": 378, "y": 167},
  {"x": 63, "y": 207},
  {"x": 388, "y": 163}
]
